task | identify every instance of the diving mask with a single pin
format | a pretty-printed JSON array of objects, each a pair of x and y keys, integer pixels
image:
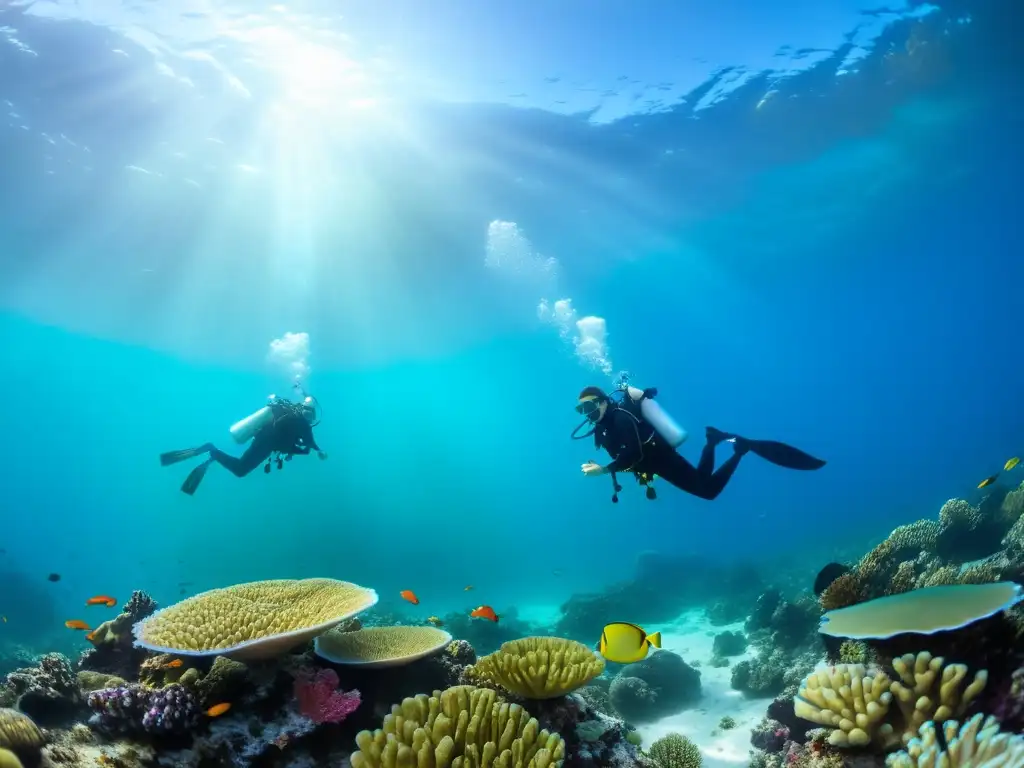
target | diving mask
[{"x": 589, "y": 408}]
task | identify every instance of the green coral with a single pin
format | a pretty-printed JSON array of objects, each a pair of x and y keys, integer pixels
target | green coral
[
  {"x": 727, "y": 723},
  {"x": 675, "y": 751},
  {"x": 634, "y": 738},
  {"x": 854, "y": 652}
]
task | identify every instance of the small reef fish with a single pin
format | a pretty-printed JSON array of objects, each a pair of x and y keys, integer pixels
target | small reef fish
[
  {"x": 435, "y": 621},
  {"x": 105, "y": 600},
  {"x": 467, "y": 588},
  {"x": 91, "y": 636},
  {"x": 1011, "y": 463},
  {"x": 988, "y": 481},
  {"x": 53, "y": 577},
  {"x": 218, "y": 709},
  {"x": 76, "y": 624},
  {"x": 408, "y": 594},
  {"x": 484, "y": 612},
  {"x": 4, "y": 618},
  {"x": 626, "y": 643},
  {"x": 173, "y": 664}
]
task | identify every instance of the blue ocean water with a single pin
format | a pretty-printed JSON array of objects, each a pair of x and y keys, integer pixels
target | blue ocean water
[{"x": 797, "y": 223}]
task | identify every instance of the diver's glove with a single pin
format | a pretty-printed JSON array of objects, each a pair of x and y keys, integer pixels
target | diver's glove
[{"x": 639, "y": 394}]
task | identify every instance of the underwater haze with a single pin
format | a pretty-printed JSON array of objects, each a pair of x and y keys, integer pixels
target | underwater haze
[{"x": 798, "y": 220}]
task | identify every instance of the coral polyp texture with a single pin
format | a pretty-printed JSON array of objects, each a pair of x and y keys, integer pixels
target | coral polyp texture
[
  {"x": 675, "y": 751},
  {"x": 857, "y": 704},
  {"x": 978, "y": 743},
  {"x": 463, "y": 727},
  {"x": 539, "y": 667},
  {"x": 17, "y": 731},
  {"x": 381, "y": 646},
  {"x": 257, "y": 620}
]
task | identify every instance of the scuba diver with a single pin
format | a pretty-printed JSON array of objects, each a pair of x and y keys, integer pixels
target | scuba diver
[
  {"x": 278, "y": 431},
  {"x": 641, "y": 438}
]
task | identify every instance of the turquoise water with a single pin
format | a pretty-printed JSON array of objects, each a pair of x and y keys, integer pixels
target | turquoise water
[{"x": 817, "y": 248}]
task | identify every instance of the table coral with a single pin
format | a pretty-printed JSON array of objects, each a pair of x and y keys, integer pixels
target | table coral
[
  {"x": 381, "y": 646},
  {"x": 257, "y": 620}
]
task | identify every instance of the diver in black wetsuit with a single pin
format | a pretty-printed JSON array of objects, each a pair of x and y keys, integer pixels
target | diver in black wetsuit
[
  {"x": 288, "y": 433},
  {"x": 635, "y": 446}
]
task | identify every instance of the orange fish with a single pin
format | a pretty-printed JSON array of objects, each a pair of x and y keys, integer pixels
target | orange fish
[
  {"x": 76, "y": 624},
  {"x": 106, "y": 600},
  {"x": 408, "y": 594},
  {"x": 91, "y": 636},
  {"x": 218, "y": 709},
  {"x": 174, "y": 664},
  {"x": 485, "y": 612}
]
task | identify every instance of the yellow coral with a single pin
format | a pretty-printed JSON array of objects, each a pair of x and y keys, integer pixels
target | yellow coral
[
  {"x": 381, "y": 646},
  {"x": 8, "y": 759},
  {"x": 464, "y": 727},
  {"x": 257, "y": 620},
  {"x": 930, "y": 689},
  {"x": 848, "y": 700},
  {"x": 854, "y": 652},
  {"x": 539, "y": 667},
  {"x": 18, "y": 732},
  {"x": 978, "y": 743}
]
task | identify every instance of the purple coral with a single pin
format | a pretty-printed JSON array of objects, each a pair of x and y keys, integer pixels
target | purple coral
[
  {"x": 320, "y": 699},
  {"x": 131, "y": 707}
]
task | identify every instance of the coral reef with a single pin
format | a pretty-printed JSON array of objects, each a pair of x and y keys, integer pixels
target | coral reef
[
  {"x": 256, "y": 620},
  {"x": 320, "y": 699},
  {"x": 487, "y": 636},
  {"x": 538, "y": 667},
  {"x": 592, "y": 738},
  {"x": 458, "y": 726},
  {"x": 48, "y": 692},
  {"x": 660, "y": 685},
  {"x": 675, "y": 751},
  {"x": 728, "y": 644}
]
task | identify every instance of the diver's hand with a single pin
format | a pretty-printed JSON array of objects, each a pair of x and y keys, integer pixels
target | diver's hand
[
  {"x": 590, "y": 469},
  {"x": 321, "y": 455}
]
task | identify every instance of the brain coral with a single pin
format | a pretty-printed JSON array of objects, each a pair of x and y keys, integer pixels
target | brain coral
[
  {"x": 464, "y": 727},
  {"x": 257, "y": 620},
  {"x": 539, "y": 667},
  {"x": 381, "y": 646}
]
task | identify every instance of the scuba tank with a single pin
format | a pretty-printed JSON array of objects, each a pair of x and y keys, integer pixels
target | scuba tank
[
  {"x": 243, "y": 430},
  {"x": 664, "y": 424}
]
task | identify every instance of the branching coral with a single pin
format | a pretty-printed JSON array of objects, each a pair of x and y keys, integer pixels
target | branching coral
[
  {"x": 932, "y": 690},
  {"x": 675, "y": 751},
  {"x": 978, "y": 743},
  {"x": 848, "y": 700},
  {"x": 538, "y": 667},
  {"x": 464, "y": 727}
]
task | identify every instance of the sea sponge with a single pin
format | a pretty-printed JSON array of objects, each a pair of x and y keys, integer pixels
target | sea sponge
[
  {"x": 257, "y": 620},
  {"x": 463, "y": 727},
  {"x": 539, "y": 667},
  {"x": 675, "y": 751},
  {"x": 381, "y": 646},
  {"x": 978, "y": 743},
  {"x": 848, "y": 589},
  {"x": 932, "y": 690},
  {"x": 8, "y": 759},
  {"x": 848, "y": 700}
]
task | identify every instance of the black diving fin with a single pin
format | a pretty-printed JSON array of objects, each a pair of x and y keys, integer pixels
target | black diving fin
[
  {"x": 195, "y": 477},
  {"x": 173, "y": 457},
  {"x": 783, "y": 455}
]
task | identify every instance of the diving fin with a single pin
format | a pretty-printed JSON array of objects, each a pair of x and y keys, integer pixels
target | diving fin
[
  {"x": 173, "y": 457},
  {"x": 195, "y": 477},
  {"x": 782, "y": 455}
]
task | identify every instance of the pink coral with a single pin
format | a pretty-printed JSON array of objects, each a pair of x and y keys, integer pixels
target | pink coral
[{"x": 320, "y": 699}]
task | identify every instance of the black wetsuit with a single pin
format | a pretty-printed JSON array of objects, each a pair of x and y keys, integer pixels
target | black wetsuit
[
  {"x": 288, "y": 434},
  {"x": 635, "y": 446}
]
